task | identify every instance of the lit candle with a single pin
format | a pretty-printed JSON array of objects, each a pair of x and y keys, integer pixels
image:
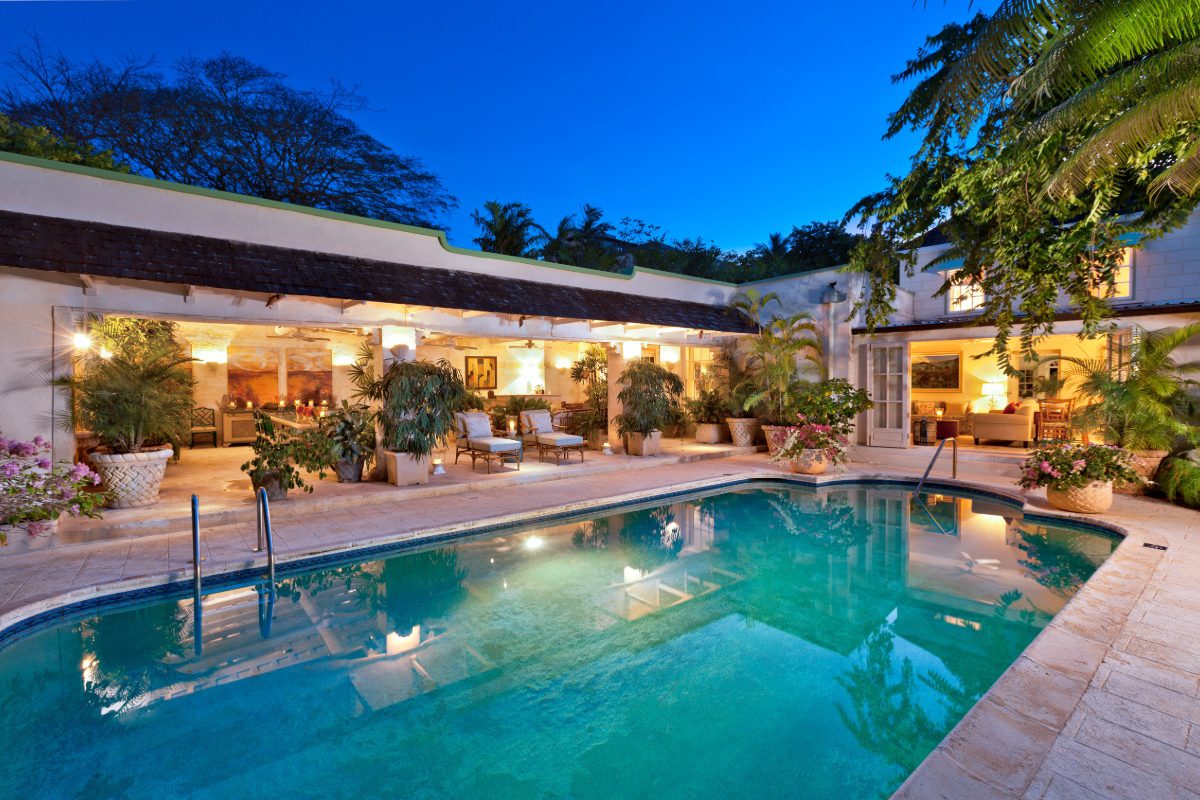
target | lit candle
[
  {"x": 296, "y": 403},
  {"x": 249, "y": 405},
  {"x": 310, "y": 403},
  {"x": 512, "y": 426}
]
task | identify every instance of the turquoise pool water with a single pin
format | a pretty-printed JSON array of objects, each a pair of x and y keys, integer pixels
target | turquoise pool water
[{"x": 762, "y": 642}]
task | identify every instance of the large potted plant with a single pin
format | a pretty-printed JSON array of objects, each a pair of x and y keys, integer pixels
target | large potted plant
[
  {"x": 811, "y": 448},
  {"x": 350, "y": 432},
  {"x": 649, "y": 397},
  {"x": 35, "y": 491},
  {"x": 591, "y": 371},
  {"x": 416, "y": 403},
  {"x": 280, "y": 458},
  {"x": 784, "y": 349},
  {"x": 743, "y": 425},
  {"x": 132, "y": 389},
  {"x": 1140, "y": 405},
  {"x": 708, "y": 410},
  {"x": 1078, "y": 477},
  {"x": 833, "y": 402}
]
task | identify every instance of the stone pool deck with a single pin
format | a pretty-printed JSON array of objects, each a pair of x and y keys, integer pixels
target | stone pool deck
[{"x": 1104, "y": 704}]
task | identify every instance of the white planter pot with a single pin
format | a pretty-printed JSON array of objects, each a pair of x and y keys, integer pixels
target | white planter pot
[
  {"x": 638, "y": 445},
  {"x": 131, "y": 479},
  {"x": 711, "y": 433},
  {"x": 404, "y": 469},
  {"x": 18, "y": 539}
]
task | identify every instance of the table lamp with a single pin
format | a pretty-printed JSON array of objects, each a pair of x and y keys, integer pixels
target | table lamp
[{"x": 996, "y": 393}]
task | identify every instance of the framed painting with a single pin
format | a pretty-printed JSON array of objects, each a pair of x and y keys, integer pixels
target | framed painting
[
  {"x": 481, "y": 372},
  {"x": 940, "y": 372}
]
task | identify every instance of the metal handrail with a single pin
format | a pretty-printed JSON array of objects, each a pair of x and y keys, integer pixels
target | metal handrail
[
  {"x": 264, "y": 533},
  {"x": 953, "y": 464},
  {"x": 197, "y": 581}
]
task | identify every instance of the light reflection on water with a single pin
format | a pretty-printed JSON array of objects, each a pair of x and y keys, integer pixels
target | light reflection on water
[{"x": 743, "y": 643}]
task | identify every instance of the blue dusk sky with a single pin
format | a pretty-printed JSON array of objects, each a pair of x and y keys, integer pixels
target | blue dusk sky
[{"x": 722, "y": 120}]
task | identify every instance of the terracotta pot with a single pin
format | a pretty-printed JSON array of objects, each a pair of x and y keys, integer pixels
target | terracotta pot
[
  {"x": 810, "y": 462},
  {"x": 270, "y": 481},
  {"x": 775, "y": 435},
  {"x": 1145, "y": 463},
  {"x": 637, "y": 444},
  {"x": 1093, "y": 498},
  {"x": 743, "y": 430},
  {"x": 131, "y": 479},
  {"x": 404, "y": 469},
  {"x": 711, "y": 433},
  {"x": 349, "y": 471}
]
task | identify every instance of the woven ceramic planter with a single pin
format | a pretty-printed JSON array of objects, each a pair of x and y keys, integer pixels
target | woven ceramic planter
[
  {"x": 1145, "y": 463},
  {"x": 810, "y": 462},
  {"x": 131, "y": 479},
  {"x": 775, "y": 435},
  {"x": 1093, "y": 498},
  {"x": 743, "y": 430}
]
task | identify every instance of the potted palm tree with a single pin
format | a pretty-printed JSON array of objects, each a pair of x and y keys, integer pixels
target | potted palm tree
[
  {"x": 350, "y": 431},
  {"x": 133, "y": 390},
  {"x": 1142, "y": 405},
  {"x": 649, "y": 396},
  {"x": 417, "y": 401},
  {"x": 784, "y": 349},
  {"x": 591, "y": 371}
]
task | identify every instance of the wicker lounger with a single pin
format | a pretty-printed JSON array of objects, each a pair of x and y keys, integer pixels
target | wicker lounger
[
  {"x": 475, "y": 438},
  {"x": 540, "y": 432}
]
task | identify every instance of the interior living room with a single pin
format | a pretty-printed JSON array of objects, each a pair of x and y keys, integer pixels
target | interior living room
[{"x": 959, "y": 391}]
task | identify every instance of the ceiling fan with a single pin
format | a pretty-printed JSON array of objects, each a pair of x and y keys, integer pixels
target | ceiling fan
[
  {"x": 451, "y": 342},
  {"x": 295, "y": 333},
  {"x": 527, "y": 344}
]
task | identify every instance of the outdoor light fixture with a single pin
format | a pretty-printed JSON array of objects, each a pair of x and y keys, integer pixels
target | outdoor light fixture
[
  {"x": 669, "y": 354},
  {"x": 833, "y": 294},
  {"x": 607, "y": 449},
  {"x": 83, "y": 341},
  {"x": 399, "y": 336},
  {"x": 438, "y": 467},
  {"x": 631, "y": 350}
]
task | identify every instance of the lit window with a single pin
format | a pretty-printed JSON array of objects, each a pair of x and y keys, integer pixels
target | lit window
[
  {"x": 1122, "y": 287},
  {"x": 964, "y": 296}
]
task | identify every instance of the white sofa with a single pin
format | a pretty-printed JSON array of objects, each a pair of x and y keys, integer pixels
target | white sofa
[{"x": 998, "y": 426}]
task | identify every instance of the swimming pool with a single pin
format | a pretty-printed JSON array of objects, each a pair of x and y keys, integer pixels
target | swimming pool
[{"x": 765, "y": 641}]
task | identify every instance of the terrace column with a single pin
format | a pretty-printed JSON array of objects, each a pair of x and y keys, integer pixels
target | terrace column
[{"x": 616, "y": 365}]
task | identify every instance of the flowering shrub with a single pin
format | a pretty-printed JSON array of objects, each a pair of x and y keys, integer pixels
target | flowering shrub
[
  {"x": 812, "y": 436},
  {"x": 33, "y": 489},
  {"x": 834, "y": 402},
  {"x": 1064, "y": 465}
]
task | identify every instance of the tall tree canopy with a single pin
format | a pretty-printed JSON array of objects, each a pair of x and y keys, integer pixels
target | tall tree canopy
[
  {"x": 1051, "y": 130},
  {"x": 226, "y": 123}
]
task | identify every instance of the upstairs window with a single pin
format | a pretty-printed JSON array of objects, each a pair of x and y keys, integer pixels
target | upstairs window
[
  {"x": 1122, "y": 287},
  {"x": 963, "y": 296}
]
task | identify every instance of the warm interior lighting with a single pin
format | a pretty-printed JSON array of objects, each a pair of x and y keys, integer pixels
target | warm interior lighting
[
  {"x": 669, "y": 354},
  {"x": 83, "y": 341},
  {"x": 996, "y": 393},
  {"x": 631, "y": 350},
  {"x": 343, "y": 357},
  {"x": 211, "y": 355},
  {"x": 399, "y": 336},
  {"x": 562, "y": 362},
  {"x": 940, "y": 412}
]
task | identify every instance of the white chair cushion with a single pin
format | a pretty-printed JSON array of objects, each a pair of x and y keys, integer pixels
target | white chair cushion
[
  {"x": 493, "y": 444},
  {"x": 476, "y": 425},
  {"x": 559, "y": 439},
  {"x": 537, "y": 421}
]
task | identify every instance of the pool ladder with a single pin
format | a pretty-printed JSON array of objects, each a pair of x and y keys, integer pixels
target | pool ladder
[
  {"x": 266, "y": 600},
  {"x": 953, "y": 462}
]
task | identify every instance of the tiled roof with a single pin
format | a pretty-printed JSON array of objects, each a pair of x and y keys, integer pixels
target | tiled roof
[{"x": 74, "y": 246}]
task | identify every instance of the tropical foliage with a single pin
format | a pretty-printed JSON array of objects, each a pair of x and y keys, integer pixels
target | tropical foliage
[
  {"x": 1052, "y": 132},
  {"x": 1179, "y": 479},
  {"x": 41, "y": 143},
  {"x": 350, "y": 431},
  {"x": 225, "y": 123},
  {"x": 833, "y": 402},
  {"x": 512, "y": 408},
  {"x": 416, "y": 400},
  {"x": 786, "y": 348},
  {"x": 281, "y": 457},
  {"x": 1143, "y": 405},
  {"x": 813, "y": 436},
  {"x": 591, "y": 371},
  {"x": 1065, "y": 465},
  {"x": 650, "y": 398},
  {"x": 508, "y": 229},
  {"x": 131, "y": 387}
]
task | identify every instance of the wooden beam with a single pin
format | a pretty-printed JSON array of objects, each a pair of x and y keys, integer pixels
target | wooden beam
[
  {"x": 89, "y": 284},
  {"x": 348, "y": 304},
  {"x": 189, "y": 294}
]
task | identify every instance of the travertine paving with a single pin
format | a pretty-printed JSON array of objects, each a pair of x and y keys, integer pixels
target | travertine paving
[{"x": 1104, "y": 704}]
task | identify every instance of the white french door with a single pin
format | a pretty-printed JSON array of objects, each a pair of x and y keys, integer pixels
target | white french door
[{"x": 889, "y": 382}]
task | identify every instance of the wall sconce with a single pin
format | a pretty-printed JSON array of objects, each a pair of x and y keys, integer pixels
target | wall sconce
[
  {"x": 631, "y": 350},
  {"x": 211, "y": 355},
  {"x": 399, "y": 335},
  {"x": 83, "y": 341},
  {"x": 562, "y": 362},
  {"x": 669, "y": 354},
  {"x": 833, "y": 294}
]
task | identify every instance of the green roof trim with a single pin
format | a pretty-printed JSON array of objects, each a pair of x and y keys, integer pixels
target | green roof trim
[{"x": 216, "y": 194}]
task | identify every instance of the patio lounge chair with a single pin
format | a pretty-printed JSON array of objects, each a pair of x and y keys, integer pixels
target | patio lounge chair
[
  {"x": 539, "y": 430},
  {"x": 475, "y": 438}
]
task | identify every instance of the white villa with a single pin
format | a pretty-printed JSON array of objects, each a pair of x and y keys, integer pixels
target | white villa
[{"x": 269, "y": 294}]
